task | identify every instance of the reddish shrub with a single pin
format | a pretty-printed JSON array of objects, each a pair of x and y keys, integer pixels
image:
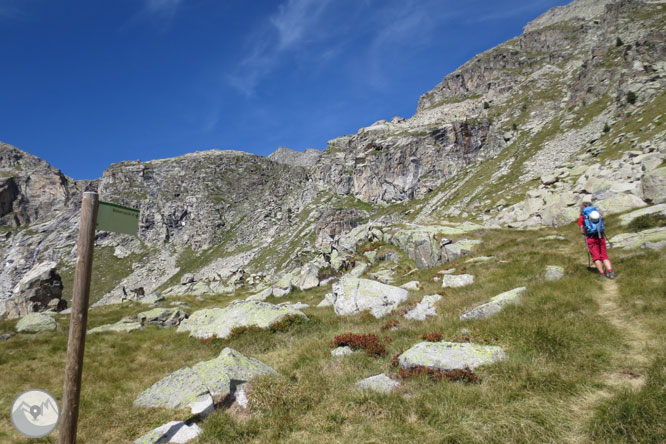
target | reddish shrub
[
  {"x": 464, "y": 375},
  {"x": 390, "y": 324},
  {"x": 402, "y": 310},
  {"x": 435, "y": 336},
  {"x": 395, "y": 359},
  {"x": 368, "y": 342}
]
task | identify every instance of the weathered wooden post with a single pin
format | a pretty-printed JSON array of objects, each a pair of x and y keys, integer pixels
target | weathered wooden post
[{"x": 79, "y": 318}]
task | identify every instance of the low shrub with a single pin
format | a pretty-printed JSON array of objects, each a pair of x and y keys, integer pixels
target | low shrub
[
  {"x": 435, "y": 336},
  {"x": 368, "y": 342},
  {"x": 390, "y": 324},
  {"x": 631, "y": 97}
]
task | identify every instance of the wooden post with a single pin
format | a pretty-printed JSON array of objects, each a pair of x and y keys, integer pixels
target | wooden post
[{"x": 79, "y": 318}]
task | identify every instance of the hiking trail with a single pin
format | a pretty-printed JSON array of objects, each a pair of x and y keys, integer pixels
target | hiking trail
[{"x": 629, "y": 362}]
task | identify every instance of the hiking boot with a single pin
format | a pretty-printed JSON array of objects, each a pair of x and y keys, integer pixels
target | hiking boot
[{"x": 610, "y": 274}]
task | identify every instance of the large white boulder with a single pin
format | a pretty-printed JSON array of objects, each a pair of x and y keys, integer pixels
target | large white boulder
[{"x": 353, "y": 295}]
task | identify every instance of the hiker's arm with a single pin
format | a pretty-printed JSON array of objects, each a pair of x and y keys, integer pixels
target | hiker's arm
[{"x": 582, "y": 229}]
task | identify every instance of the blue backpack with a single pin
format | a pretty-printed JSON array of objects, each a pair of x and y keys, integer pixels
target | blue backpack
[{"x": 592, "y": 228}]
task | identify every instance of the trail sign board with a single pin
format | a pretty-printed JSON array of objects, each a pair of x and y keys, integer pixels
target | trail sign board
[{"x": 116, "y": 218}]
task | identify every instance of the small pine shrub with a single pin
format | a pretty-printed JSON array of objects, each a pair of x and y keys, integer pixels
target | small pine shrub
[
  {"x": 514, "y": 126},
  {"x": 631, "y": 97},
  {"x": 618, "y": 42},
  {"x": 606, "y": 128},
  {"x": 432, "y": 337},
  {"x": 486, "y": 105}
]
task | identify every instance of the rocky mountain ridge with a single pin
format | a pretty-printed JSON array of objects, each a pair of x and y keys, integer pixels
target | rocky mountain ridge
[{"x": 571, "y": 109}]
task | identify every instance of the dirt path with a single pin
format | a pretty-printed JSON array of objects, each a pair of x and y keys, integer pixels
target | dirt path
[{"x": 630, "y": 362}]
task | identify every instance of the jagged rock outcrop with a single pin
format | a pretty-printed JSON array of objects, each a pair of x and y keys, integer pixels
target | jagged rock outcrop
[
  {"x": 517, "y": 137},
  {"x": 39, "y": 290},
  {"x": 285, "y": 155}
]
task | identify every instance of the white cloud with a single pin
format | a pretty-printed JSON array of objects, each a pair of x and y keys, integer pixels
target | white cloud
[
  {"x": 288, "y": 30},
  {"x": 294, "y": 19}
]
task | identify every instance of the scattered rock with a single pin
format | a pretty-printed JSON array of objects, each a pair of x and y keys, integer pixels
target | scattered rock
[
  {"x": 196, "y": 387},
  {"x": 554, "y": 273},
  {"x": 39, "y": 290},
  {"x": 6, "y": 336},
  {"x": 549, "y": 179},
  {"x": 163, "y": 317},
  {"x": 220, "y": 321},
  {"x": 341, "y": 351},
  {"x": 283, "y": 286},
  {"x": 654, "y": 245},
  {"x": 552, "y": 237},
  {"x": 654, "y": 186},
  {"x": 412, "y": 285},
  {"x": 654, "y": 209},
  {"x": 174, "y": 431},
  {"x": 261, "y": 296},
  {"x": 479, "y": 259},
  {"x": 308, "y": 277},
  {"x": 379, "y": 383},
  {"x": 424, "y": 308},
  {"x": 182, "y": 388},
  {"x": 383, "y": 275},
  {"x": 35, "y": 323},
  {"x": 635, "y": 240},
  {"x": 353, "y": 295},
  {"x": 327, "y": 301},
  {"x": 187, "y": 278},
  {"x": 359, "y": 269},
  {"x": 449, "y": 355},
  {"x": 294, "y": 305},
  {"x": 457, "y": 280},
  {"x": 620, "y": 203},
  {"x": 495, "y": 305},
  {"x": 125, "y": 325},
  {"x": 151, "y": 299}
]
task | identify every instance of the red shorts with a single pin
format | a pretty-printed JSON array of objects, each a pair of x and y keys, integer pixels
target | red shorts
[{"x": 597, "y": 248}]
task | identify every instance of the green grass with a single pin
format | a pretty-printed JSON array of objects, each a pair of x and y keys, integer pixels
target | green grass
[
  {"x": 558, "y": 345},
  {"x": 634, "y": 417},
  {"x": 108, "y": 271}
]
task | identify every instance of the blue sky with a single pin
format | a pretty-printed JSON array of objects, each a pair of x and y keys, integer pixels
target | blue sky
[{"x": 86, "y": 83}]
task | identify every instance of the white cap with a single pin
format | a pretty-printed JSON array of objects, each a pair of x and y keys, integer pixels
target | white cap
[{"x": 594, "y": 216}]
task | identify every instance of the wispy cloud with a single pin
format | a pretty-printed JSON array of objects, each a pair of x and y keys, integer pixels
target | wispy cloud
[
  {"x": 165, "y": 8},
  {"x": 159, "y": 12},
  {"x": 401, "y": 26},
  {"x": 288, "y": 30},
  {"x": 316, "y": 33}
]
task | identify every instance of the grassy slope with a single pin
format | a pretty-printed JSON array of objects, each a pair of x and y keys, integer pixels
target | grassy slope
[{"x": 559, "y": 346}]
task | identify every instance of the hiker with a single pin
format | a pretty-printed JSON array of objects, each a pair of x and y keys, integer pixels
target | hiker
[{"x": 592, "y": 227}]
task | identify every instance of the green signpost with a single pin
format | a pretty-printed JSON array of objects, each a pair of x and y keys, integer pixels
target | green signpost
[
  {"x": 95, "y": 215},
  {"x": 112, "y": 217}
]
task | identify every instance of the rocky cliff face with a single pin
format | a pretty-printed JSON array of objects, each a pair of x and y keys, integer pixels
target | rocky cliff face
[{"x": 571, "y": 109}]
